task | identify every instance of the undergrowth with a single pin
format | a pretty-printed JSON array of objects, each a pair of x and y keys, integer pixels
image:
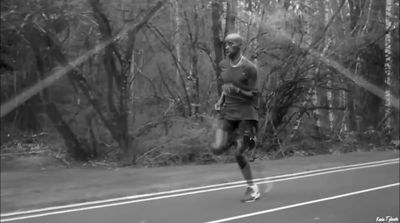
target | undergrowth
[{"x": 187, "y": 141}]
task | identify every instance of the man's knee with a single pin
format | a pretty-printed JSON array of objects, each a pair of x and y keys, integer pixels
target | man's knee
[
  {"x": 218, "y": 149},
  {"x": 244, "y": 143},
  {"x": 249, "y": 141}
]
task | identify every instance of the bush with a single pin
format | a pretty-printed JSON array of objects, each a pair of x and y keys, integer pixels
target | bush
[{"x": 187, "y": 142}]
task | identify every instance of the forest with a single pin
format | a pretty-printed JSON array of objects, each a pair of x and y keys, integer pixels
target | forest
[{"x": 135, "y": 82}]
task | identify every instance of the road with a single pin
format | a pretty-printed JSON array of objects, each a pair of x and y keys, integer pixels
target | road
[{"x": 366, "y": 192}]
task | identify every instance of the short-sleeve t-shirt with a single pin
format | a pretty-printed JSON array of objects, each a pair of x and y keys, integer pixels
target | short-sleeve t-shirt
[{"x": 243, "y": 75}]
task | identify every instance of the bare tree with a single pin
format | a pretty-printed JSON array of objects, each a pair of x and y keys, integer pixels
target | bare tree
[
  {"x": 218, "y": 44},
  {"x": 120, "y": 75},
  {"x": 388, "y": 68}
]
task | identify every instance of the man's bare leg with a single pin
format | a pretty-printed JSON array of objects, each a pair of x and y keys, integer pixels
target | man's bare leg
[
  {"x": 221, "y": 141},
  {"x": 243, "y": 163},
  {"x": 252, "y": 193}
]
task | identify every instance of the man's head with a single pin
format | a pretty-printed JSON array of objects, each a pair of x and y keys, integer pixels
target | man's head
[{"x": 233, "y": 43}]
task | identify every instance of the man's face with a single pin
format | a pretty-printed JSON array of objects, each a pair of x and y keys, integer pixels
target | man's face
[{"x": 231, "y": 48}]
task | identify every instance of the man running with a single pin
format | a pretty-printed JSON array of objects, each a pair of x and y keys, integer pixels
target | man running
[{"x": 237, "y": 106}]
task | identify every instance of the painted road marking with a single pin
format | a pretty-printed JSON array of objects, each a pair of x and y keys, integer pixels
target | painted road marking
[
  {"x": 304, "y": 203},
  {"x": 25, "y": 215},
  {"x": 189, "y": 189}
]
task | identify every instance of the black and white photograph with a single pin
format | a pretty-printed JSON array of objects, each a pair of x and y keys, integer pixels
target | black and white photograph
[{"x": 199, "y": 111}]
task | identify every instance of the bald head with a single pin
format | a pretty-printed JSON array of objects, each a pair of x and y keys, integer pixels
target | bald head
[{"x": 234, "y": 37}]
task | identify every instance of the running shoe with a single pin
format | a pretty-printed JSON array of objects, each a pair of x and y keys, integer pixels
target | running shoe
[{"x": 252, "y": 194}]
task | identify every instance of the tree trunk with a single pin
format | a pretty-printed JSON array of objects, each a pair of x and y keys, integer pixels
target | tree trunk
[
  {"x": 312, "y": 93},
  {"x": 330, "y": 100},
  {"x": 344, "y": 127},
  {"x": 194, "y": 73},
  {"x": 83, "y": 85},
  {"x": 125, "y": 141},
  {"x": 178, "y": 38},
  {"x": 315, "y": 94},
  {"x": 329, "y": 96},
  {"x": 355, "y": 12},
  {"x": 349, "y": 98},
  {"x": 231, "y": 15},
  {"x": 299, "y": 117},
  {"x": 132, "y": 76},
  {"x": 218, "y": 44},
  {"x": 122, "y": 76},
  {"x": 74, "y": 148},
  {"x": 316, "y": 112},
  {"x": 26, "y": 116},
  {"x": 388, "y": 69}
]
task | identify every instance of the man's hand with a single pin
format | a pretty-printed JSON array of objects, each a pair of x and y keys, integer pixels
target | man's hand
[
  {"x": 230, "y": 88},
  {"x": 218, "y": 106},
  {"x": 220, "y": 102}
]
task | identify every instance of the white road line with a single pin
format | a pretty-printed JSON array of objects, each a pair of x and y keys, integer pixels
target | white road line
[
  {"x": 186, "y": 193},
  {"x": 186, "y": 189},
  {"x": 304, "y": 203}
]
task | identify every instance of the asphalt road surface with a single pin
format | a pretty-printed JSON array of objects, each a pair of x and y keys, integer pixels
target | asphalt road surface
[{"x": 367, "y": 192}]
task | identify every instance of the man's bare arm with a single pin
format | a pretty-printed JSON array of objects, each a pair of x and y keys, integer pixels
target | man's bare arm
[
  {"x": 232, "y": 88},
  {"x": 220, "y": 102},
  {"x": 245, "y": 92}
]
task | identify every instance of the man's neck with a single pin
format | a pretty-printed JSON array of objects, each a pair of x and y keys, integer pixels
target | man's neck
[{"x": 235, "y": 58}]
